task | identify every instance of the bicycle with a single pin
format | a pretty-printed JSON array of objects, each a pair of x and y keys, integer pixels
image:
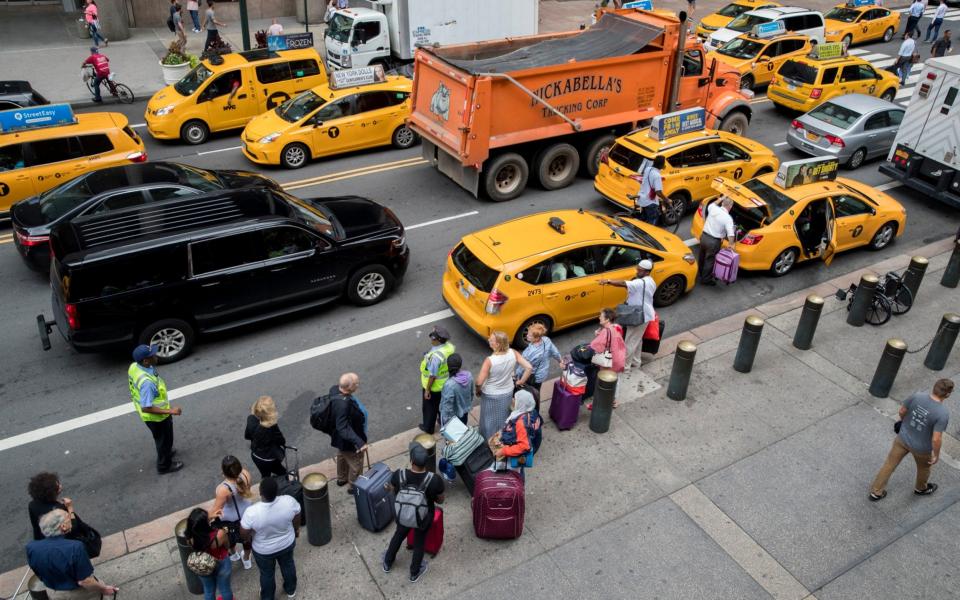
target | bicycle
[
  {"x": 670, "y": 216},
  {"x": 116, "y": 89},
  {"x": 891, "y": 297}
]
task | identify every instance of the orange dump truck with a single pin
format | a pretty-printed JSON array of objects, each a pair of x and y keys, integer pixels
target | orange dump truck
[{"x": 495, "y": 114}]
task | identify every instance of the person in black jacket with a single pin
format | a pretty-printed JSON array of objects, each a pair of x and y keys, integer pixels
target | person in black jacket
[
  {"x": 349, "y": 436},
  {"x": 266, "y": 441},
  {"x": 45, "y": 490}
]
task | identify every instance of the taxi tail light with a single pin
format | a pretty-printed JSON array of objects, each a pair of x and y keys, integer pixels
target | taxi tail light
[
  {"x": 32, "y": 240},
  {"x": 773, "y": 80},
  {"x": 495, "y": 301},
  {"x": 796, "y": 124},
  {"x": 751, "y": 239},
  {"x": 700, "y": 210},
  {"x": 836, "y": 141},
  {"x": 605, "y": 156},
  {"x": 815, "y": 93},
  {"x": 137, "y": 157},
  {"x": 72, "y": 321}
]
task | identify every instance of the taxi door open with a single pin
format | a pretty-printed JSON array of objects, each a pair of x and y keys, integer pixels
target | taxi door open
[{"x": 831, "y": 236}]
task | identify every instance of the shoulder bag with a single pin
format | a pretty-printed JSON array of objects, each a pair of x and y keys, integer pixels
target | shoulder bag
[
  {"x": 631, "y": 315},
  {"x": 604, "y": 359},
  {"x": 87, "y": 535}
]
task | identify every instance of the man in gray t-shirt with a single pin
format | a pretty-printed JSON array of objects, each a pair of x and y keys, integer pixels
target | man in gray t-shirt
[{"x": 923, "y": 419}]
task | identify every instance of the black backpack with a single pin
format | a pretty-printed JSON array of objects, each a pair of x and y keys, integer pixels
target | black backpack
[
  {"x": 170, "y": 25},
  {"x": 321, "y": 414}
]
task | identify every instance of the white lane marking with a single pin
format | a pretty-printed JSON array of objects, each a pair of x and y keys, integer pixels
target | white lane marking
[
  {"x": 873, "y": 57},
  {"x": 904, "y": 93},
  {"x": 880, "y": 64},
  {"x": 443, "y": 220},
  {"x": 887, "y": 186},
  {"x": 220, "y": 150},
  {"x": 858, "y": 51},
  {"x": 227, "y": 378},
  {"x": 780, "y": 144},
  {"x": 138, "y": 125}
]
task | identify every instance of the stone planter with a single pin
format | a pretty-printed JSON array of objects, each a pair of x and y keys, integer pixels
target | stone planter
[{"x": 174, "y": 73}]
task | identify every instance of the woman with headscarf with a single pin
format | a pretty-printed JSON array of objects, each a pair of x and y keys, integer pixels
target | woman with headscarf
[{"x": 521, "y": 434}]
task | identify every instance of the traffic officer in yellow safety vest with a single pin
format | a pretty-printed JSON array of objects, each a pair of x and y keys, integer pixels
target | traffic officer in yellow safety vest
[
  {"x": 149, "y": 395},
  {"x": 433, "y": 374}
]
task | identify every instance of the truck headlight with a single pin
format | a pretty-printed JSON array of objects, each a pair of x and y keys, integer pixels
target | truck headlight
[
  {"x": 166, "y": 110},
  {"x": 269, "y": 138}
]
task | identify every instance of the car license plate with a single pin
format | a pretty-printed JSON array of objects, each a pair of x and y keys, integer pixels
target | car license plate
[
  {"x": 466, "y": 290},
  {"x": 812, "y": 137},
  {"x": 791, "y": 87}
]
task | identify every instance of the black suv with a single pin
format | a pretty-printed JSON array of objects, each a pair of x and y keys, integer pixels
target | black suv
[
  {"x": 19, "y": 94},
  {"x": 109, "y": 189},
  {"x": 164, "y": 272}
]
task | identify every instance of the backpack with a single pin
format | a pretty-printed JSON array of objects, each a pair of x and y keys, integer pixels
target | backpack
[
  {"x": 170, "y": 25},
  {"x": 410, "y": 504},
  {"x": 321, "y": 414},
  {"x": 533, "y": 424}
]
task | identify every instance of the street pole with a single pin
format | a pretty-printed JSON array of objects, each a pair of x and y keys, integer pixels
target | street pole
[
  {"x": 306, "y": 17},
  {"x": 244, "y": 25}
]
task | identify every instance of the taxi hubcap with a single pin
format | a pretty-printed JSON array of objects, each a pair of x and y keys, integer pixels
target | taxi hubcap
[
  {"x": 169, "y": 341},
  {"x": 195, "y": 133},
  {"x": 784, "y": 262},
  {"x": 404, "y": 137},
  {"x": 295, "y": 155},
  {"x": 371, "y": 286},
  {"x": 884, "y": 237}
]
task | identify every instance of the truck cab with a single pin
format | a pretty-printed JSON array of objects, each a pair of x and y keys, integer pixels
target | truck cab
[{"x": 357, "y": 37}]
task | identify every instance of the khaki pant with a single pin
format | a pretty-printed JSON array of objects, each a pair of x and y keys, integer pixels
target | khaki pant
[
  {"x": 897, "y": 452},
  {"x": 634, "y": 343},
  {"x": 349, "y": 466}
]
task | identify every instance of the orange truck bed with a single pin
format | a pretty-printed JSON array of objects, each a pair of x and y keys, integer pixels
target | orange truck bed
[{"x": 474, "y": 103}]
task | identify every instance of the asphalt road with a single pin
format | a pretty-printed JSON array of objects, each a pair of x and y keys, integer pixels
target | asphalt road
[{"x": 107, "y": 466}]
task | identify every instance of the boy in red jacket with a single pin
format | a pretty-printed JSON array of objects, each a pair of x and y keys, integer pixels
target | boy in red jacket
[{"x": 101, "y": 70}]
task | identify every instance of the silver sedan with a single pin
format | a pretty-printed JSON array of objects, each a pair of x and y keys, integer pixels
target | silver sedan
[{"x": 853, "y": 128}]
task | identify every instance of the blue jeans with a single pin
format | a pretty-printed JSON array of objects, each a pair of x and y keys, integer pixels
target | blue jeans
[
  {"x": 195, "y": 15},
  {"x": 267, "y": 564},
  {"x": 219, "y": 580},
  {"x": 935, "y": 26},
  {"x": 651, "y": 214},
  {"x": 95, "y": 34}
]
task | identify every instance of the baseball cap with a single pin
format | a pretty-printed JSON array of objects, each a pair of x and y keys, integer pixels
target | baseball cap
[
  {"x": 645, "y": 264},
  {"x": 418, "y": 454},
  {"x": 94, "y": 50},
  {"x": 439, "y": 333},
  {"x": 144, "y": 351}
]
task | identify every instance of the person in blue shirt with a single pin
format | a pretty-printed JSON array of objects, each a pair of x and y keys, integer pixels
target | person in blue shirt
[
  {"x": 63, "y": 565},
  {"x": 148, "y": 392}
]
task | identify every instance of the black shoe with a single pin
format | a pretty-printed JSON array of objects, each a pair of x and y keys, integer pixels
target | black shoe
[
  {"x": 710, "y": 282},
  {"x": 173, "y": 468},
  {"x": 875, "y": 497},
  {"x": 383, "y": 563},
  {"x": 173, "y": 452},
  {"x": 98, "y": 100},
  {"x": 931, "y": 488},
  {"x": 419, "y": 576},
  {"x": 342, "y": 483}
]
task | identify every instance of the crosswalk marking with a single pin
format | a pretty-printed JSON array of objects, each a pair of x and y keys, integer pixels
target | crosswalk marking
[
  {"x": 858, "y": 51},
  {"x": 873, "y": 57},
  {"x": 883, "y": 64}
]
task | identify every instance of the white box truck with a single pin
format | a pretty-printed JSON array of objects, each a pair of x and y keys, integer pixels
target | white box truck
[
  {"x": 387, "y": 32},
  {"x": 925, "y": 155}
]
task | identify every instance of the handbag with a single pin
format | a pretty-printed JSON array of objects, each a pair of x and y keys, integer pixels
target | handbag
[
  {"x": 604, "y": 359},
  {"x": 88, "y": 536},
  {"x": 652, "y": 332},
  {"x": 202, "y": 563},
  {"x": 629, "y": 315}
]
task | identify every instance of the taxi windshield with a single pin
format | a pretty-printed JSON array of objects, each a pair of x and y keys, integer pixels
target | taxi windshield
[
  {"x": 740, "y": 48},
  {"x": 745, "y": 22},
  {"x": 799, "y": 72},
  {"x": 629, "y": 232},
  {"x": 733, "y": 10},
  {"x": 339, "y": 27},
  {"x": 835, "y": 115},
  {"x": 844, "y": 14},
  {"x": 298, "y": 107},
  {"x": 777, "y": 202},
  {"x": 192, "y": 80}
]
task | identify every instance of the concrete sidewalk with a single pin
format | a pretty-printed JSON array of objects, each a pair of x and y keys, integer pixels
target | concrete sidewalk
[{"x": 754, "y": 487}]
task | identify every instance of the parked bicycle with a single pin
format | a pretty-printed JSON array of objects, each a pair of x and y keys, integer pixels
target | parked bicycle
[
  {"x": 670, "y": 216},
  {"x": 117, "y": 90},
  {"x": 891, "y": 297}
]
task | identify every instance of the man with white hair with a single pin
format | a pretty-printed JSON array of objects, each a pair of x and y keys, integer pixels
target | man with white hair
[
  {"x": 717, "y": 226},
  {"x": 63, "y": 565},
  {"x": 349, "y": 436}
]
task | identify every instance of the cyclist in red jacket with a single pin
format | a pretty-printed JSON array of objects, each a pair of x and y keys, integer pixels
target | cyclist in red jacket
[{"x": 101, "y": 70}]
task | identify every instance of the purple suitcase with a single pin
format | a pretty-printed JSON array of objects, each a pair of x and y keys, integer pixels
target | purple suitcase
[
  {"x": 565, "y": 407},
  {"x": 726, "y": 266},
  {"x": 498, "y": 505}
]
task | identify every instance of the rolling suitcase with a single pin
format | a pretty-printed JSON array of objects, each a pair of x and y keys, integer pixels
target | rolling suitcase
[
  {"x": 565, "y": 407},
  {"x": 479, "y": 460},
  {"x": 374, "y": 500},
  {"x": 434, "y": 534},
  {"x": 498, "y": 505},
  {"x": 289, "y": 484},
  {"x": 726, "y": 266}
]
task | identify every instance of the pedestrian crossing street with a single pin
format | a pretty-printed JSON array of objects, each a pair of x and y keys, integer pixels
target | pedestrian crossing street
[
  {"x": 881, "y": 61},
  {"x": 953, "y": 14}
]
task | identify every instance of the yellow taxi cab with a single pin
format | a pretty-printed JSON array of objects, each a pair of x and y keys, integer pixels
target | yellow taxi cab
[
  {"x": 216, "y": 97},
  {"x": 694, "y": 156},
  {"x": 756, "y": 57},
  {"x": 546, "y": 268},
  {"x": 804, "y": 212},
  {"x": 801, "y": 84},
  {"x": 722, "y": 17},
  {"x": 860, "y": 21},
  {"x": 329, "y": 119},
  {"x": 44, "y": 146}
]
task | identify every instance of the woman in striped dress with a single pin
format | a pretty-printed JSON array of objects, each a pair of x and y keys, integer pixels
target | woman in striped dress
[{"x": 496, "y": 384}]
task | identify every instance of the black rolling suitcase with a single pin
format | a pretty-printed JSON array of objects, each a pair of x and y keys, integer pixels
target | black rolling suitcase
[
  {"x": 289, "y": 484},
  {"x": 480, "y": 459}
]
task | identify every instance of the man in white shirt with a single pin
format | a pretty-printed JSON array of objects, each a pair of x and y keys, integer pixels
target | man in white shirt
[
  {"x": 274, "y": 524},
  {"x": 717, "y": 226},
  {"x": 639, "y": 293},
  {"x": 651, "y": 194},
  {"x": 914, "y": 13},
  {"x": 275, "y": 28},
  {"x": 936, "y": 22},
  {"x": 905, "y": 57}
]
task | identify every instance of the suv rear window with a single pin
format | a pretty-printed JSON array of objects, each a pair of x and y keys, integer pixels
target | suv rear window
[
  {"x": 473, "y": 269},
  {"x": 626, "y": 157},
  {"x": 126, "y": 273},
  {"x": 798, "y": 71}
]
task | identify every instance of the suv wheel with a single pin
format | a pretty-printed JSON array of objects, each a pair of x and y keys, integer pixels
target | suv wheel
[
  {"x": 173, "y": 338},
  {"x": 369, "y": 285}
]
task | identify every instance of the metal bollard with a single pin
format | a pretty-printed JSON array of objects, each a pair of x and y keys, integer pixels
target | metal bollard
[
  {"x": 914, "y": 275},
  {"x": 682, "y": 369},
  {"x": 36, "y": 589},
  {"x": 887, "y": 368},
  {"x": 862, "y": 299},
  {"x": 316, "y": 501},
  {"x": 943, "y": 342},
  {"x": 426, "y": 440},
  {"x": 951, "y": 275},
  {"x": 807, "y": 326},
  {"x": 603, "y": 401},
  {"x": 194, "y": 585},
  {"x": 749, "y": 342}
]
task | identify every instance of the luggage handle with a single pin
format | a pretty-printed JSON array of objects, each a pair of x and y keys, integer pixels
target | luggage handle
[
  {"x": 366, "y": 454},
  {"x": 296, "y": 458}
]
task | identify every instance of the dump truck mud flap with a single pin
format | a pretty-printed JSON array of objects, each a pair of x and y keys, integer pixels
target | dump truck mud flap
[{"x": 466, "y": 177}]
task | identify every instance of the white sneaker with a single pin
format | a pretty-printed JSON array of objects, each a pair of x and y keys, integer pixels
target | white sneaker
[
  {"x": 247, "y": 564},
  {"x": 235, "y": 557}
]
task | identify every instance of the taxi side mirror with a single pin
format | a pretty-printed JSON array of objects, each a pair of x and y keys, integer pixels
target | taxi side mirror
[
  {"x": 317, "y": 123},
  {"x": 763, "y": 59}
]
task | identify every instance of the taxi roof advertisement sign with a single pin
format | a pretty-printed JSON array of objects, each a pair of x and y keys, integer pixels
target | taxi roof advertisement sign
[
  {"x": 641, "y": 4},
  {"x": 764, "y": 30},
  {"x": 861, "y": 2},
  {"x": 676, "y": 123},
  {"x": 359, "y": 76},
  {"x": 50, "y": 115},
  {"x": 808, "y": 170},
  {"x": 830, "y": 50}
]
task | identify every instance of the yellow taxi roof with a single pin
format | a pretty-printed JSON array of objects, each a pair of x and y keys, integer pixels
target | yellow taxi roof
[
  {"x": 86, "y": 123},
  {"x": 830, "y": 62},
  {"x": 393, "y": 83},
  {"x": 815, "y": 189},
  {"x": 259, "y": 56},
  {"x": 642, "y": 139}
]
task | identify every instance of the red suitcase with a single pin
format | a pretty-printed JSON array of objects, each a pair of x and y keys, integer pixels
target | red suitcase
[
  {"x": 434, "y": 534},
  {"x": 498, "y": 505}
]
